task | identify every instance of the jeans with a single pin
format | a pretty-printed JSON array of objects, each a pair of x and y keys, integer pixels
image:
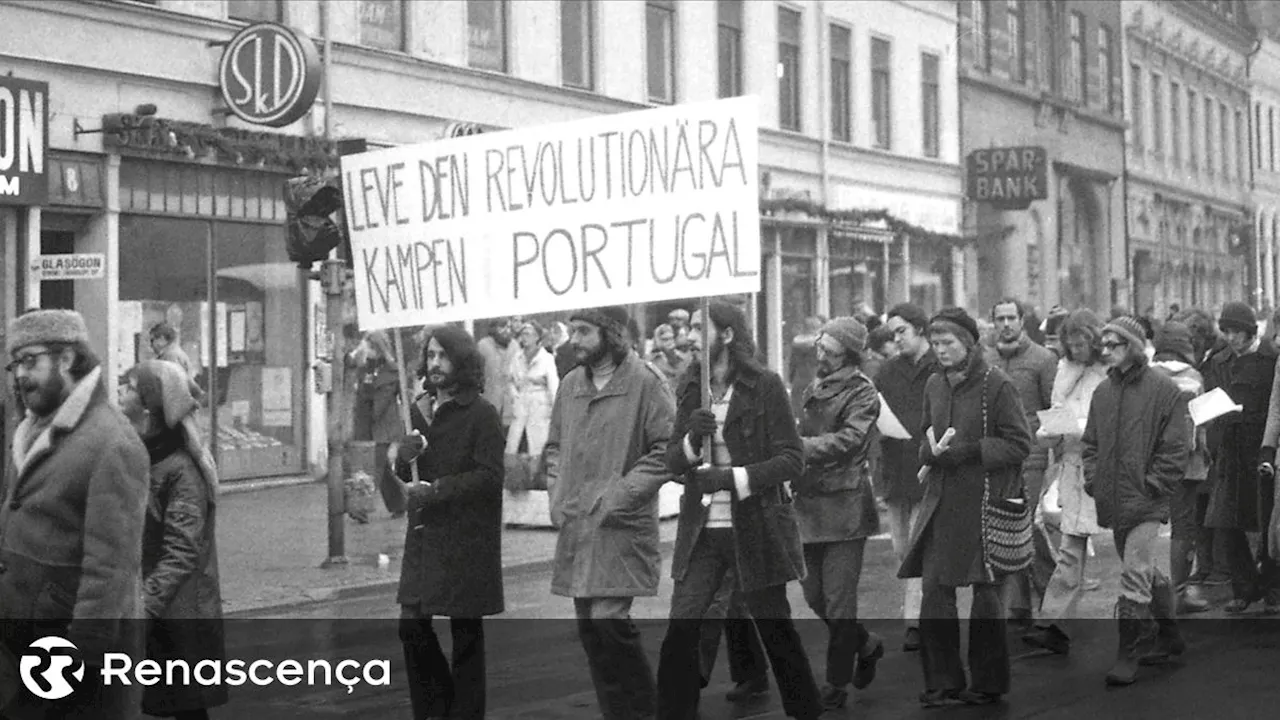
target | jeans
[
  {"x": 940, "y": 640},
  {"x": 620, "y": 670},
  {"x": 831, "y": 589},
  {"x": 1138, "y": 571},
  {"x": 438, "y": 687},
  {"x": 902, "y": 515},
  {"x": 678, "y": 667}
]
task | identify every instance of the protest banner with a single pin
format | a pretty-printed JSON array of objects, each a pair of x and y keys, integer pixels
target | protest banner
[{"x": 634, "y": 207}]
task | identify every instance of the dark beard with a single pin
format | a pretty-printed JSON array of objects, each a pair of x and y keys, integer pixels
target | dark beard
[
  {"x": 49, "y": 397},
  {"x": 596, "y": 356},
  {"x": 449, "y": 384}
]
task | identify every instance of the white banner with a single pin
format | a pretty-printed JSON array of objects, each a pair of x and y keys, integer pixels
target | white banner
[{"x": 651, "y": 205}]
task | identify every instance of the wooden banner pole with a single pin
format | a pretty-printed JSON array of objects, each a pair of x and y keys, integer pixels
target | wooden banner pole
[
  {"x": 704, "y": 358},
  {"x": 406, "y": 395}
]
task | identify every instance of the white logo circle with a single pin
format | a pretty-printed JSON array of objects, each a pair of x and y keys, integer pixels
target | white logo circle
[{"x": 49, "y": 666}]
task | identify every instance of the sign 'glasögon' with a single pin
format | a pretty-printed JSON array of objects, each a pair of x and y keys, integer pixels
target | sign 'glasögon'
[{"x": 657, "y": 204}]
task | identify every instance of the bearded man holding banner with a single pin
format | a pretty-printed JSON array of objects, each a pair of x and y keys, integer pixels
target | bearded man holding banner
[
  {"x": 605, "y": 451},
  {"x": 736, "y": 515}
]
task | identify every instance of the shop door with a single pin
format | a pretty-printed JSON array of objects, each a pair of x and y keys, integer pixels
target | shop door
[{"x": 57, "y": 294}]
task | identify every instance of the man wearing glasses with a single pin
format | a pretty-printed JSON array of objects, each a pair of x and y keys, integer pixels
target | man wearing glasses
[{"x": 75, "y": 498}]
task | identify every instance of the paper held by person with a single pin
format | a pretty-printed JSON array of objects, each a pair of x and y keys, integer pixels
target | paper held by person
[
  {"x": 1211, "y": 406},
  {"x": 889, "y": 425},
  {"x": 1060, "y": 421}
]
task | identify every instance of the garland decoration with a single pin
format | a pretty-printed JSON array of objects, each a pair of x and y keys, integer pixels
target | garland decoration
[{"x": 895, "y": 225}]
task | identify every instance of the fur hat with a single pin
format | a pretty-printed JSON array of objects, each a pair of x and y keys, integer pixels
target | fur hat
[
  {"x": 950, "y": 317},
  {"x": 851, "y": 334},
  {"x": 1174, "y": 338},
  {"x": 41, "y": 327},
  {"x": 1128, "y": 328},
  {"x": 1238, "y": 316}
]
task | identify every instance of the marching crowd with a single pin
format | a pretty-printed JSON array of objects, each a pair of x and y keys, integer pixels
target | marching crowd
[{"x": 996, "y": 448}]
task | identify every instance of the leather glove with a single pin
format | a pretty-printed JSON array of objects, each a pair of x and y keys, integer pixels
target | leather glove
[
  {"x": 713, "y": 479},
  {"x": 702, "y": 424},
  {"x": 410, "y": 447},
  {"x": 959, "y": 454}
]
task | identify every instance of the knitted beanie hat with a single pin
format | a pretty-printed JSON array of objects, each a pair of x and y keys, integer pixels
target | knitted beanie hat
[
  {"x": 41, "y": 327},
  {"x": 851, "y": 334},
  {"x": 953, "y": 318},
  {"x": 1238, "y": 316},
  {"x": 612, "y": 322},
  {"x": 1129, "y": 329}
]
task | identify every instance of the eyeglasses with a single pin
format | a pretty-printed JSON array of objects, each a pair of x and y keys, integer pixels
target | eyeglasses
[
  {"x": 1114, "y": 345},
  {"x": 28, "y": 361}
]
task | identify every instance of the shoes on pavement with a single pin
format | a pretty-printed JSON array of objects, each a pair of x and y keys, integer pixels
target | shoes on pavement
[
  {"x": 748, "y": 691},
  {"x": 931, "y": 699},
  {"x": 975, "y": 697},
  {"x": 1049, "y": 638},
  {"x": 1191, "y": 600},
  {"x": 834, "y": 698},
  {"x": 865, "y": 671},
  {"x": 911, "y": 640}
]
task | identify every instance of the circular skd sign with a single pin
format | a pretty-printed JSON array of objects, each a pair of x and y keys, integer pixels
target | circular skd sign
[{"x": 269, "y": 74}]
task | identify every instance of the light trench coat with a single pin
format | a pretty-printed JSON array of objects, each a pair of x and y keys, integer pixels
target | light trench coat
[
  {"x": 1073, "y": 388},
  {"x": 532, "y": 392}
]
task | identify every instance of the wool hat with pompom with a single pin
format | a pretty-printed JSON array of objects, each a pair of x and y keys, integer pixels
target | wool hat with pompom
[{"x": 42, "y": 327}]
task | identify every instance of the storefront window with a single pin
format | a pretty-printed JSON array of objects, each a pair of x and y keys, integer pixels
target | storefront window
[
  {"x": 244, "y": 337},
  {"x": 799, "y": 284},
  {"x": 857, "y": 275}
]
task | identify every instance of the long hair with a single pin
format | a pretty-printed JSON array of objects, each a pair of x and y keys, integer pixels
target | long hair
[
  {"x": 468, "y": 363},
  {"x": 1083, "y": 323},
  {"x": 742, "y": 349}
]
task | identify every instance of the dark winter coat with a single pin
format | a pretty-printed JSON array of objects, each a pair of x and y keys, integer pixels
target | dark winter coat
[
  {"x": 901, "y": 382},
  {"x": 761, "y": 436},
  {"x": 453, "y": 543},
  {"x": 605, "y": 465},
  {"x": 834, "y": 497},
  {"x": 1032, "y": 368},
  {"x": 945, "y": 545},
  {"x": 1235, "y": 495},
  {"x": 1137, "y": 443},
  {"x": 71, "y": 536},
  {"x": 377, "y": 405},
  {"x": 180, "y": 568}
]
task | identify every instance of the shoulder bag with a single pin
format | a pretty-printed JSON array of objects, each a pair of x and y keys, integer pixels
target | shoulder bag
[{"x": 1006, "y": 523}]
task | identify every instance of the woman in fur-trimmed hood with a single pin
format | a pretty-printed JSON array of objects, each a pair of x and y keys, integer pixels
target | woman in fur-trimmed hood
[{"x": 183, "y": 598}]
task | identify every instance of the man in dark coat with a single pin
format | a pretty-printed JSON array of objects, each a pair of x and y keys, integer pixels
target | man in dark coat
[
  {"x": 72, "y": 520},
  {"x": 735, "y": 515},
  {"x": 1032, "y": 369},
  {"x": 1239, "y": 501},
  {"x": 1137, "y": 442},
  {"x": 836, "y": 504},
  {"x": 453, "y": 544},
  {"x": 901, "y": 383}
]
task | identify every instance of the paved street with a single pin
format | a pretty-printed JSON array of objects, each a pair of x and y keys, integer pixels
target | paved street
[{"x": 537, "y": 670}]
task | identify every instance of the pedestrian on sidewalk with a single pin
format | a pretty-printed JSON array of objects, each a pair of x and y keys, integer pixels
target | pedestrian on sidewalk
[
  {"x": 901, "y": 383},
  {"x": 1136, "y": 446},
  {"x": 1079, "y": 373},
  {"x": 605, "y": 463},
  {"x": 1031, "y": 367},
  {"x": 534, "y": 383},
  {"x": 980, "y": 463},
  {"x": 71, "y": 524},
  {"x": 377, "y": 412},
  {"x": 1174, "y": 355},
  {"x": 735, "y": 515},
  {"x": 836, "y": 505},
  {"x": 183, "y": 598},
  {"x": 1238, "y": 504},
  {"x": 453, "y": 543}
]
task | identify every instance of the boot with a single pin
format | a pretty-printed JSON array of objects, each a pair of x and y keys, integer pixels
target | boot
[
  {"x": 1168, "y": 642},
  {"x": 1137, "y": 630}
]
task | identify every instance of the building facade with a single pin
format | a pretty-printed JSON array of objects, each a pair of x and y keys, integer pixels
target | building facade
[
  {"x": 1047, "y": 75},
  {"x": 1264, "y": 86},
  {"x": 1187, "y": 100},
  {"x": 184, "y": 201}
]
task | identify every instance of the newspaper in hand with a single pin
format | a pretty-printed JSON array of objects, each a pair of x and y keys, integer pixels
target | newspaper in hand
[
  {"x": 1060, "y": 421},
  {"x": 888, "y": 423},
  {"x": 1211, "y": 406}
]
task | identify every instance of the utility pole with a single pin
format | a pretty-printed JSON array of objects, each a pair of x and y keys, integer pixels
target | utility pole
[{"x": 333, "y": 275}]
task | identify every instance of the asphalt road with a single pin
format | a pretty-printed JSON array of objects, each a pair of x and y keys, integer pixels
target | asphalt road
[{"x": 537, "y": 670}]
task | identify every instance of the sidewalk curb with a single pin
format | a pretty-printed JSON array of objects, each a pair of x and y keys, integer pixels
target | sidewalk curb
[{"x": 378, "y": 587}]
